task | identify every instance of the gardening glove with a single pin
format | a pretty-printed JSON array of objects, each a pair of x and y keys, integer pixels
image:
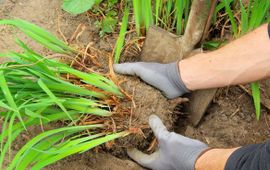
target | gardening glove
[
  {"x": 165, "y": 77},
  {"x": 175, "y": 152}
]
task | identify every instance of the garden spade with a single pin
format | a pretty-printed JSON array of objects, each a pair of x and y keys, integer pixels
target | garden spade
[{"x": 164, "y": 47}]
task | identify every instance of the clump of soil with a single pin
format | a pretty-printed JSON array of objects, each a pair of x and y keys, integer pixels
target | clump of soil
[
  {"x": 145, "y": 106},
  {"x": 141, "y": 107}
]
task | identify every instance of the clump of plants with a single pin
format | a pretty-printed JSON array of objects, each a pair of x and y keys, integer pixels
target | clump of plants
[
  {"x": 38, "y": 90},
  {"x": 171, "y": 14},
  {"x": 88, "y": 108}
]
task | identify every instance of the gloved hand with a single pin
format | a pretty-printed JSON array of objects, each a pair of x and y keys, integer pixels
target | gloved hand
[
  {"x": 165, "y": 77},
  {"x": 175, "y": 152}
]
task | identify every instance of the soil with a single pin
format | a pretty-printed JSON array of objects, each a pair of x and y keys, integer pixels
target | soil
[
  {"x": 229, "y": 122},
  {"x": 142, "y": 107}
]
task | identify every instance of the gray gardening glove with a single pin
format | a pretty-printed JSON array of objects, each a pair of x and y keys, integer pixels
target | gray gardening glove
[
  {"x": 175, "y": 152},
  {"x": 165, "y": 77}
]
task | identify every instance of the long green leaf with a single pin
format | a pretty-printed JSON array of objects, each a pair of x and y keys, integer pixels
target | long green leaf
[
  {"x": 121, "y": 38},
  {"x": 40, "y": 35},
  {"x": 23, "y": 151},
  {"x": 255, "y": 88},
  {"x": 77, "y": 149},
  {"x": 53, "y": 97},
  {"x": 244, "y": 18},
  {"x": 179, "y": 14},
  {"x": 158, "y": 4},
  {"x": 137, "y": 15},
  {"x": 148, "y": 17},
  {"x": 231, "y": 17},
  {"x": 8, "y": 96}
]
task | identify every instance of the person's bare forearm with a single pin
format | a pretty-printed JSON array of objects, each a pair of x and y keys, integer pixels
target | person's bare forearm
[
  {"x": 244, "y": 60},
  {"x": 214, "y": 159}
]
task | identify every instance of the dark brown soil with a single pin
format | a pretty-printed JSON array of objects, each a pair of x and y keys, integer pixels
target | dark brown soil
[{"x": 229, "y": 122}]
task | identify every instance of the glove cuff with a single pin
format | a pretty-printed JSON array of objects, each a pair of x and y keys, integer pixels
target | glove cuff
[
  {"x": 174, "y": 75},
  {"x": 194, "y": 156}
]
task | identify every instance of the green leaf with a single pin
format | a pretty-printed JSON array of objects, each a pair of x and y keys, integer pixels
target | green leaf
[
  {"x": 244, "y": 19},
  {"x": 255, "y": 88},
  {"x": 77, "y": 148},
  {"x": 40, "y": 35},
  {"x": 94, "y": 79},
  {"x": 218, "y": 8},
  {"x": 121, "y": 39},
  {"x": 33, "y": 154},
  {"x": 53, "y": 97},
  {"x": 41, "y": 137},
  {"x": 34, "y": 115},
  {"x": 231, "y": 17},
  {"x": 179, "y": 14},
  {"x": 111, "y": 13},
  {"x": 10, "y": 129},
  {"x": 85, "y": 106},
  {"x": 147, "y": 13},
  {"x": 77, "y": 6},
  {"x": 157, "y": 10},
  {"x": 6, "y": 147},
  {"x": 108, "y": 25},
  {"x": 212, "y": 45},
  {"x": 4, "y": 106},
  {"x": 138, "y": 15},
  {"x": 9, "y": 97}
]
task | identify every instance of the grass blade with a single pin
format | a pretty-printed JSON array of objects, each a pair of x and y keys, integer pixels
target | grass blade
[
  {"x": 8, "y": 96},
  {"x": 157, "y": 10},
  {"x": 137, "y": 15},
  {"x": 179, "y": 14},
  {"x": 54, "y": 98},
  {"x": 231, "y": 16},
  {"x": 121, "y": 38},
  {"x": 66, "y": 130},
  {"x": 40, "y": 35},
  {"x": 148, "y": 17},
  {"x": 255, "y": 88},
  {"x": 78, "y": 148},
  {"x": 244, "y": 18}
]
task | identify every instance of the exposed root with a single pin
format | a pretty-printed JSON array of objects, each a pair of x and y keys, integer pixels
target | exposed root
[
  {"x": 152, "y": 146},
  {"x": 129, "y": 113},
  {"x": 59, "y": 28}
]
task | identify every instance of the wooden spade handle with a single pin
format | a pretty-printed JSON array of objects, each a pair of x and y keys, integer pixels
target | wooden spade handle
[{"x": 197, "y": 21}]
